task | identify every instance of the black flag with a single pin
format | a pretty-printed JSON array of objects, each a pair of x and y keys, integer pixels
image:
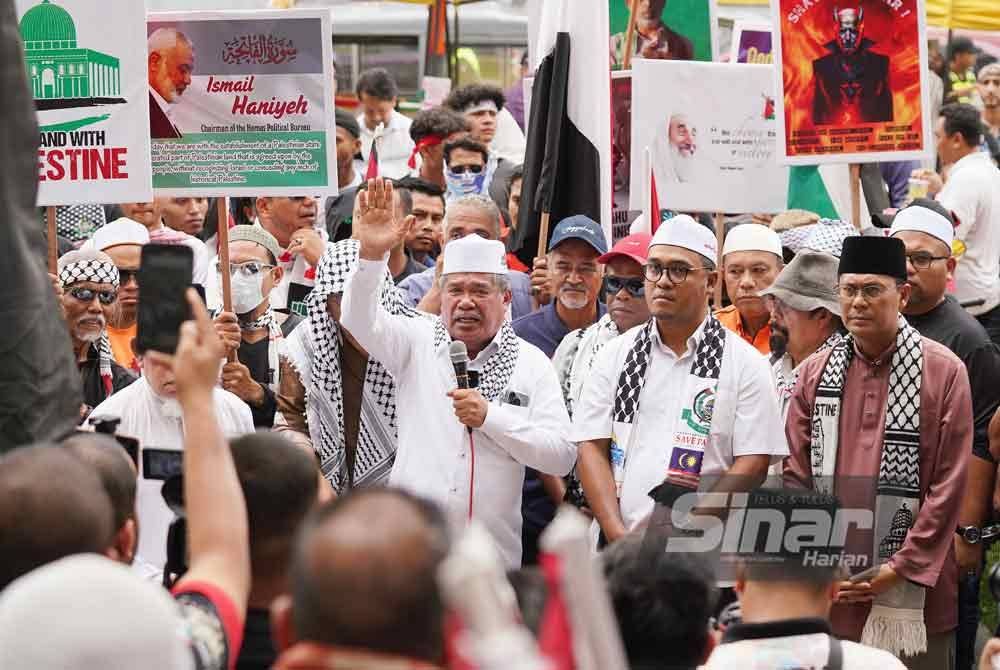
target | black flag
[{"x": 562, "y": 162}]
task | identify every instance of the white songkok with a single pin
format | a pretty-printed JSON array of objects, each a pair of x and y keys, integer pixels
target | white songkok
[
  {"x": 683, "y": 231},
  {"x": 97, "y": 614},
  {"x": 120, "y": 231},
  {"x": 923, "y": 220},
  {"x": 752, "y": 237},
  {"x": 473, "y": 253}
]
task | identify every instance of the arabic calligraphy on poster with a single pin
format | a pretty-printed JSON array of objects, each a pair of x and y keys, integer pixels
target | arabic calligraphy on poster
[
  {"x": 852, "y": 80},
  {"x": 240, "y": 103},
  {"x": 259, "y": 50}
]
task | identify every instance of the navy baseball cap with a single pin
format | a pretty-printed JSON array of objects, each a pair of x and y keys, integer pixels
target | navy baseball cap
[{"x": 580, "y": 227}]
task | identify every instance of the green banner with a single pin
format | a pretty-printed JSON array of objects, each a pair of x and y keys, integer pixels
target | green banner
[{"x": 241, "y": 159}]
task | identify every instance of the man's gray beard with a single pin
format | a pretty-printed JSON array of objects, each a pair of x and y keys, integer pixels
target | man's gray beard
[
  {"x": 683, "y": 165},
  {"x": 90, "y": 336},
  {"x": 569, "y": 300}
]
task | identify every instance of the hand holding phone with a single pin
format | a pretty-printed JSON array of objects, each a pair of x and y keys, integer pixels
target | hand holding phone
[{"x": 164, "y": 277}]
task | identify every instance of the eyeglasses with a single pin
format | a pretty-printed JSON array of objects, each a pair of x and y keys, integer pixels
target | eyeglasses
[
  {"x": 675, "y": 272},
  {"x": 248, "y": 269},
  {"x": 462, "y": 169},
  {"x": 634, "y": 286},
  {"x": 923, "y": 261},
  {"x": 869, "y": 291},
  {"x": 125, "y": 276},
  {"x": 87, "y": 295}
]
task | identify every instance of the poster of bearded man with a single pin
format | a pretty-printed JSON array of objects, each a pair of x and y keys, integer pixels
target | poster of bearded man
[
  {"x": 714, "y": 152},
  {"x": 851, "y": 81}
]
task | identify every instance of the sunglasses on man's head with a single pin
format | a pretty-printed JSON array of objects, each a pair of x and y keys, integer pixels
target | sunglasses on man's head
[
  {"x": 462, "y": 169},
  {"x": 634, "y": 285},
  {"x": 87, "y": 295}
]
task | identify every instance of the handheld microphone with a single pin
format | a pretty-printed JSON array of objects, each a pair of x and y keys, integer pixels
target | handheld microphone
[{"x": 460, "y": 360}]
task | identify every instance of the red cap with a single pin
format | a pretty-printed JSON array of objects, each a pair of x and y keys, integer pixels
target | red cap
[{"x": 635, "y": 246}]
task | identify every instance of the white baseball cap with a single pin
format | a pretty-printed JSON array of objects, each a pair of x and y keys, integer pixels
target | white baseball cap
[
  {"x": 752, "y": 237},
  {"x": 473, "y": 253}
]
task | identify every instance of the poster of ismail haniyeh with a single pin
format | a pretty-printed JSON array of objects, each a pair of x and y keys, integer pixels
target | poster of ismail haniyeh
[
  {"x": 714, "y": 151},
  {"x": 852, "y": 80},
  {"x": 90, "y": 98},
  {"x": 240, "y": 103}
]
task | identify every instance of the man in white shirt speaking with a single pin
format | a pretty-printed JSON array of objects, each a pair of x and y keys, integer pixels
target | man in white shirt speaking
[
  {"x": 677, "y": 399},
  {"x": 466, "y": 449}
]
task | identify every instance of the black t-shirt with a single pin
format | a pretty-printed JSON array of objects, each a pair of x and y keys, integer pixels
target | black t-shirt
[
  {"x": 257, "y": 652},
  {"x": 949, "y": 324},
  {"x": 255, "y": 357}
]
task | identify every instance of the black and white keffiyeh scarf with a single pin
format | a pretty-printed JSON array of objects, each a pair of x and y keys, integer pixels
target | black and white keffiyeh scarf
[
  {"x": 495, "y": 375},
  {"x": 96, "y": 271},
  {"x": 785, "y": 384},
  {"x": 314, "y": 349},
  {"x": 690, "y": 435},
  {"x": 274, "y": 338},
  {"x": 896, "y": 621}
]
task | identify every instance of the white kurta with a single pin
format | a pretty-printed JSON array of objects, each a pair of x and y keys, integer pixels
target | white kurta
[
  {"x": 156, "y": 423},
  {"x": 434, "y": 455},
  {"x": 394, "y": 148},
  {"x": 745, "y": 420}
]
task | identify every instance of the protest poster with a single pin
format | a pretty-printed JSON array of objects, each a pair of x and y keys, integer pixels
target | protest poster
[
  {"x": 713, "y": 152},
  {"x": 663, "y": 30},
  {"x": 90, "y": 99},
  {"x": 852, "y": 81},
  {"x": 240, "y": 103},
  {"x": 622, "y": 213},
  {"x": 751, "y": 44}
]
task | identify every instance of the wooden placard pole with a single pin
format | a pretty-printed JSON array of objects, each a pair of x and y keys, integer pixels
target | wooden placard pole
[
  {"x": 53, "y": 239},
  {"x": 543, "y": 234},
  {"x": 720, "y": 234},
  {"x": 222, "y": 234},
  {"x": 856, "y": 195},
  {"x": 629, "y": 36}
]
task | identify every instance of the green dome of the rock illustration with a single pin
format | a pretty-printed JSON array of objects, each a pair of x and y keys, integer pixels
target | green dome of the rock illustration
[
  {"x": 58, "y": 68},
  {"x": 48, "y": 23}
]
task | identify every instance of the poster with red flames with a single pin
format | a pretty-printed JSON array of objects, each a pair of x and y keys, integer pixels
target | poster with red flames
[{"x": 851, "y": 81}]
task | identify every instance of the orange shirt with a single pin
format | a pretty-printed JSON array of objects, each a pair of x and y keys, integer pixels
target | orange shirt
[
  {"x": 730, "y": 318},
  {"x": 121, "y": 346}
]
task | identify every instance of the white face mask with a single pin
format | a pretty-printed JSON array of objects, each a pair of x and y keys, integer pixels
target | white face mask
[{"x": 247, "y": 292}]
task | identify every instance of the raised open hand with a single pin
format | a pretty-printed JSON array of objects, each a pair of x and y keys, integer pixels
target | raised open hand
[{"x": 377, "y": 227}]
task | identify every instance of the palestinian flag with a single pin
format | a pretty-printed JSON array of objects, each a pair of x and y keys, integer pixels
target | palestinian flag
[
  {"x": 567, "y": 162},
  {"x": 372, "y": 170},
  {"x": 825, "y": 190}
]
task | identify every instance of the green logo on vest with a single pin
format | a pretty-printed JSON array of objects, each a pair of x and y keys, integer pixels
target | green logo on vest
[{"x": 699, "y": 417}]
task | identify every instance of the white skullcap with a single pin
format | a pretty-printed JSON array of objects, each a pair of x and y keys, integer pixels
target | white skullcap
[
  {"x": 923, "y": 220},
  {"x": 86, "y": 612},
  {"x": 120, "y": 231},
  {"x": 473, "y": 253},
  {"x": 752, "y": 237},
  {"x": 683, "y": 231}
]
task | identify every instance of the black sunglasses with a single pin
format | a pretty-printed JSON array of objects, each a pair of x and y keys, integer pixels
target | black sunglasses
[
  {"x": 462, "y": 169},
  {"x": 124, "y": 276},
  {"x": 87, "y": 295},
  {"x": 634, "y": 285}
]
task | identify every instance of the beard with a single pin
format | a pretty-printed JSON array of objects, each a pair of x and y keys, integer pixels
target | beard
[
  {"x": 683, "y": 163},
  {"x": 778, "y": 340},
  {"x": 573, "y": 299}
]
